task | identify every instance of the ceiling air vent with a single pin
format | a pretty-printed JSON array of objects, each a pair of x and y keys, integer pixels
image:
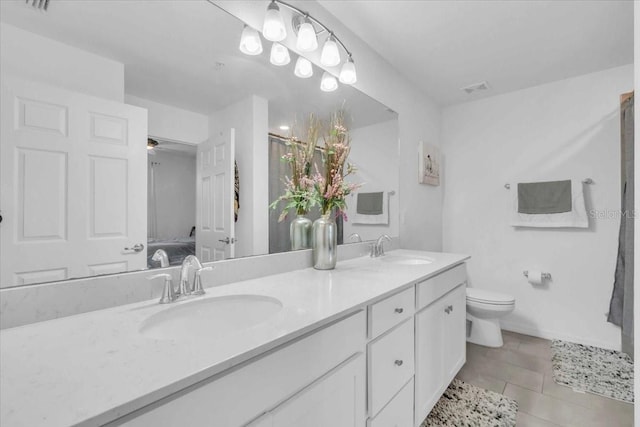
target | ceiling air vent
[
  {"x": 39, "y": 4},
  {"x": 475, "y": 87}
]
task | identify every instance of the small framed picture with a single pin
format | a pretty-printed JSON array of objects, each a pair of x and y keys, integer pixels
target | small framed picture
[{"x": 429, "y": 167}]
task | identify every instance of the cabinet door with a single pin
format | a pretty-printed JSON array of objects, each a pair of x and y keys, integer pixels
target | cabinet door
[
  {"x": 430, "y": 330},
  {"x": 455, "y": 332},
  {"x": 337, "y": 400}
]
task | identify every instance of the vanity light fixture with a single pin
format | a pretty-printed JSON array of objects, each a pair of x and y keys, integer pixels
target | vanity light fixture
[
  {"x": 330, "y": 56},
  {"x": 328, "y": 83},
  {"x": 250, "y": 43},
  {"x": 151, "y": 144},
  {"x": 279, "y": 55},
  {"x": 348, "y": 72},
  {"x": 284, "y": 127},
  {"x": 303, "y": 69},
  {"x": 306, "y": 29},
  {"x": 273, "y": 28},
  {"x": 307, "y": 40}
]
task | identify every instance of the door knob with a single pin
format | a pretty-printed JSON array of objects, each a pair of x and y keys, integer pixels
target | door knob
[
  {"x": 226, "y": 241},
  {"x": 138, "y": 247},
  {"x": 399, "y": 310},
  {"x": 398, "y": 362}
]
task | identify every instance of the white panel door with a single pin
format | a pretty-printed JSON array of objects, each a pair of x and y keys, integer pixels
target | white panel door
[
  {"x": 215, "y": 227},
  {"x": 73, "y": 181}
]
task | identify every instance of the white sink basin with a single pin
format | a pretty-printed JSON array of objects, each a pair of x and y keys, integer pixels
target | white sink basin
[
  {"x": 210, "y": 318},
  {"x": 406, "y": 260}
]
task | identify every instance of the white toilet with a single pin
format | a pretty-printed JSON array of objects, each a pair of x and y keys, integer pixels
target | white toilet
[{"x": 484, "y": 309}]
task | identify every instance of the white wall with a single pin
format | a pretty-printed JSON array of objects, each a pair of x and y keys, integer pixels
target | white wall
[
  {"x": 420, "y": 216},
  {"x": 249, "y": 117},
  {"x": 171, "y": 123},
  {"x": 33, "y": 57},
  {"x": 175, "y": 181},
  {"x": 565, "y": 129},
  {"x": 374, "y": 151}
]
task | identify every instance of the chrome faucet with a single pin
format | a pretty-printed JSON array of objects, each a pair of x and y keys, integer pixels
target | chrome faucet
[
  {"x": 355, "y": 237},
  {"x": 186, "y": 287},
  {"x": 377, "y": 248},
  {"x": 161, "y": 255},
  {"x": 168, "y": 293}
]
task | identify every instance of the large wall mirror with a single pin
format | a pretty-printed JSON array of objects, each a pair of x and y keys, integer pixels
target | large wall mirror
[{"x": 126, "y": 124}]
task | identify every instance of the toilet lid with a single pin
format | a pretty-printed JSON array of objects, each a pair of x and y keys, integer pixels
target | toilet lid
[{"x": 489, "y": 297}]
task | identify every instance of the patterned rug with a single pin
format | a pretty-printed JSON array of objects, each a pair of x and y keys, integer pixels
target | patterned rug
[
  {"x": 465, "y": 405},
  {"x": 595, "y": 370}
]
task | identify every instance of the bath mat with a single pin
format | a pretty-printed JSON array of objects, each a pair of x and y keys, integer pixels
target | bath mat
[
  {"x": 595, "y": 370},
  {"x": 465, "y": 405}
]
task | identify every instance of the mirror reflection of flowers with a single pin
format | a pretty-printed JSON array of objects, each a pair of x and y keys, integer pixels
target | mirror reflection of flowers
[
  {"x": 299, "y": 184},
  {"x": 330, "y": 188}
]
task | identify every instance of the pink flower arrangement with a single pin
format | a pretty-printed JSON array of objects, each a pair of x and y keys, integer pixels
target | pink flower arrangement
[{"x": 330, "y": 188}]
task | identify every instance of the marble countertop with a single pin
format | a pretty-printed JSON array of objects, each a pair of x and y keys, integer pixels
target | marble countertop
[{"x": 92, "y": 368}]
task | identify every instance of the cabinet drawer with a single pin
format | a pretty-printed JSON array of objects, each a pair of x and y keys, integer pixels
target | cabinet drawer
[
  {"x": 435, "y": 287},
  {"x": 399, "y": 412},
  {"x": 390, "y": 365},
  {"x": 389, "y": 312}
]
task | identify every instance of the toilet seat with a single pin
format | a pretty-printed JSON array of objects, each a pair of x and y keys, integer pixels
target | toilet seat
[{"x": 483, "y": 296}]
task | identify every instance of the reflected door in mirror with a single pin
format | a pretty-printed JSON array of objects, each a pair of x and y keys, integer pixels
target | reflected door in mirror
[
  {"x": 215, "y": 225},
  {"x": 73, "y": 184}
]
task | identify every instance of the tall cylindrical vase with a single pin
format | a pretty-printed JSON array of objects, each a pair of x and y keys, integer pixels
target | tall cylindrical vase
[
  {"x": 300, "y": 233},
  {"x": 325, "y": 243}
]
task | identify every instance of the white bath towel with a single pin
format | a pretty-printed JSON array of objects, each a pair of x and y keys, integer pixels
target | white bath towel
[
  {"x": 382, "y": 219},
  {"x": 576, "y": 218}
]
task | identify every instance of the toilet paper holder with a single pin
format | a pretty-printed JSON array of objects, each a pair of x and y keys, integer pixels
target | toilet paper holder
[{"x": 545, "y": 276}]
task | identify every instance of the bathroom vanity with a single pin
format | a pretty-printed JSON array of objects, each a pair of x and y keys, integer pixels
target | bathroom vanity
[{"x": 362, "y": 345}]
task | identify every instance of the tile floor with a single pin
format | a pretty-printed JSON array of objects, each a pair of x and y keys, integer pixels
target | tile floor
[{"x": 521, "y": 370}]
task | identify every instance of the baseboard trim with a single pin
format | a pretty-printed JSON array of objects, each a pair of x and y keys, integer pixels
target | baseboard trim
[{"x": 555, "y": 335}]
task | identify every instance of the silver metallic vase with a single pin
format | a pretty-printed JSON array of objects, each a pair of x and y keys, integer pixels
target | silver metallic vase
[
  {"x": 325, "y": 243},
  {"x": 300, "y": 233}
]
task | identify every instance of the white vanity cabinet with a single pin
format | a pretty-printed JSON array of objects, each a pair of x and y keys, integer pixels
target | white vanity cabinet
[
  {"x": 386, "y": 366},
  {"x": 320, "y": 377},
  {"x": 440, "y": 337}
]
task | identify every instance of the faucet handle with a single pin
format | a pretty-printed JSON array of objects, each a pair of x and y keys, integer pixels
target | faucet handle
[
  {"x": 197, "y": 281},
  {"x": 168, "y": 295}
]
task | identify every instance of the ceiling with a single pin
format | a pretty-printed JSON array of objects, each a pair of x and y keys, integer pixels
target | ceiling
[
  {"x": 443, "y": 46},
  {"x": 185, "y": 54}
]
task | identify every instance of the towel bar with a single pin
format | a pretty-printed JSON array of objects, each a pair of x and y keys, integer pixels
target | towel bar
[{"x": 584, "y": 181}]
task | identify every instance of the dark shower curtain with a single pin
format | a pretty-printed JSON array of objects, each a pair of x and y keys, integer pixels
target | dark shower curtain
[{"x": 621, "y": 306}]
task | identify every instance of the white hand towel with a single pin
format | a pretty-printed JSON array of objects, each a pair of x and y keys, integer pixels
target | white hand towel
[
  {"x": 576, "y": 218},
  {"x": 382, "y": 219}
]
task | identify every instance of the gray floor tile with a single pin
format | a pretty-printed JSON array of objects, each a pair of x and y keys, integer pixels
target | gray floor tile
[
  {"x": 522, "y": 370},
  {"x": 538, "y": 349},
  {"x": 520, "y": 358},
  {"x": 526, "y": 420},
  {"x": 469, "y": 375},
  {"x": 546, "y": 407},
  {"x": 507, "y": 372}
]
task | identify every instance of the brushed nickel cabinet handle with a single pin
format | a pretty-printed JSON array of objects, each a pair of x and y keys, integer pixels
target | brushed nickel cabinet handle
[
  {"x": 399, "y": 310},
  {"x": 398, "y": 362}
]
